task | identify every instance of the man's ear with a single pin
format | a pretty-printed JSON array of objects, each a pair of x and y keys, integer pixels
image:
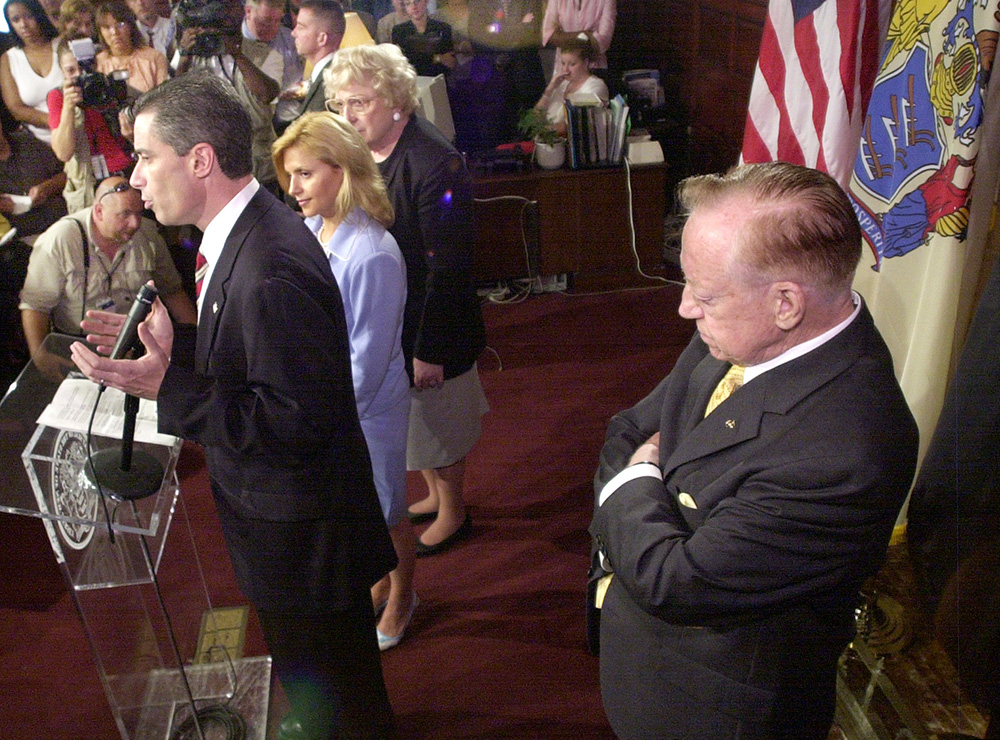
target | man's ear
[
  {"x": 202, "y": 160},
  {"x": 789, "y": 304}
]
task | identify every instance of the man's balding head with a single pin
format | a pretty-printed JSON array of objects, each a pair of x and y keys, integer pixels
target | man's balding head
[{"x": 117, "y": 212}]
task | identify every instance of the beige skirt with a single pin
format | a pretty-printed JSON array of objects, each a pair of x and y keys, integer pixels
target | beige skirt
[{"x": 445, "y": 422}]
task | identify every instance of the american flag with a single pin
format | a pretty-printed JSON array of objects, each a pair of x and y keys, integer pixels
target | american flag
[{"x": 818, "y": 61}]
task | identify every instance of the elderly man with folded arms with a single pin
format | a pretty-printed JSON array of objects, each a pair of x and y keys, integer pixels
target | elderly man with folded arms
[{"x": 744, "y": 502}]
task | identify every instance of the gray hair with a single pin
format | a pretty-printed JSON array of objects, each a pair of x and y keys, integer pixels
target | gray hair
[{"x": 384, "y": 67}]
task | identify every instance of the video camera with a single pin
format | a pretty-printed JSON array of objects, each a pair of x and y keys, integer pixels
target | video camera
[
  {"x": 98, "y": 90},
  {"x": 211, "y": 15}
]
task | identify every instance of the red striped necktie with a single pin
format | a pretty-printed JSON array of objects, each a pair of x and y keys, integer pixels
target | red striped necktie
[{"x": 200, "y": 268}]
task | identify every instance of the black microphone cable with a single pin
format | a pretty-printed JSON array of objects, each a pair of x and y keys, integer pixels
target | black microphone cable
[{"x": 90, "y": 462}]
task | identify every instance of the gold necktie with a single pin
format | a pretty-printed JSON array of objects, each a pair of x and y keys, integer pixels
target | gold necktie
[{"x": 732, "y": 380}]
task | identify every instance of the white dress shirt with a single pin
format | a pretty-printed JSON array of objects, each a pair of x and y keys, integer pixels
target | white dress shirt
[{"x": 217, "y": 232}]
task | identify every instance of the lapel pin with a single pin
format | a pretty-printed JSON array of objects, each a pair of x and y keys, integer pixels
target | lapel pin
[
  {"x": 215, "y": 307},
  {"x": 731, "y": 423}
]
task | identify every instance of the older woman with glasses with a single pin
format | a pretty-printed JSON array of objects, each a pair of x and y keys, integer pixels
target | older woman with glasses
[
  {"x": 324, "y": 164},
  {"x": 127, "y": 49},
  {"x": 375, "y": 88}
]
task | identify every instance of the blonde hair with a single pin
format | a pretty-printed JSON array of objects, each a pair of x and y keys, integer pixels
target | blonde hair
[
  {"x": 383, "y": 66},
  {"x": 330, "y": 138}
]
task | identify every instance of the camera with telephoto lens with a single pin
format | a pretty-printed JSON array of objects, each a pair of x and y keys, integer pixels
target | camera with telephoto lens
[
  {"x": 211, "y": 15},
  {"x": 98, "y": 90}
]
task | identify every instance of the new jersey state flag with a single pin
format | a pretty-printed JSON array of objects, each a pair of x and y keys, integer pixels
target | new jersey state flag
[
  {"x": 817, "y": 64},
  {"x": 911, "y": 188}
]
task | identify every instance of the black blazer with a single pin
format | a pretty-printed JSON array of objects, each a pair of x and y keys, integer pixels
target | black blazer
[
  {"x": 268, "y": 393},
  {"x": 431, "y": 191},
  {"x": 736, "y": 575},
  {"x": 421, "y": 48}
]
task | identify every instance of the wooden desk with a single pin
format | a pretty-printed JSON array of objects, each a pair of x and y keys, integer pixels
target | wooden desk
[{"x": 579, "y": 225}]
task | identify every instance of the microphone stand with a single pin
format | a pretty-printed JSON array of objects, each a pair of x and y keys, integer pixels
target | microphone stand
[
  {"x": 127, "y": 474},
  {"x": 128, "y": 431}
]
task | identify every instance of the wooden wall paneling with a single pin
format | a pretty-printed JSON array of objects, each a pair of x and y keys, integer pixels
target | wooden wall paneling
[
  {"x": 727, "y": 39},
  {"x": 706, "y": 51},
  {"x": 582, "y": 224},
  {"x": 506, "y": 231}
]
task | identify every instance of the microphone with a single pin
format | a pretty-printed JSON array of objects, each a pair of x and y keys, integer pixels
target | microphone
[
  {"x": 128, "y": 336},
  {"x": 119, "y": 473}
]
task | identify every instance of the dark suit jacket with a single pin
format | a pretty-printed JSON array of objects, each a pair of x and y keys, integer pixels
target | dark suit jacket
[
  {"x": 270, "y": 397},
  {"x": 726, "y": 616},
  {"x": 431, "y": 192},
  {"x": 421, "y": 48},
  {"x": 315, "y": 99}
]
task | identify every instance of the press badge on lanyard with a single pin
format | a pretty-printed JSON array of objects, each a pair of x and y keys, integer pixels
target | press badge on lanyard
[{"x": 100, "y": 165}]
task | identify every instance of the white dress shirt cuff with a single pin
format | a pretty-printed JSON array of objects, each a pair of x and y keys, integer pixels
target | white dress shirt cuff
[{"x": 639, "y": 470}]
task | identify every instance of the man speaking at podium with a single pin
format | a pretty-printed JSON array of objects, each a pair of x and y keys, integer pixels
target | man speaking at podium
[
  {"x": 266, "y": 388},
  {"x": 743, "y": 503}
]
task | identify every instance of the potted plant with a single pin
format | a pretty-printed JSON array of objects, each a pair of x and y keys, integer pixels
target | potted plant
[{"x": 550, "y": 146}]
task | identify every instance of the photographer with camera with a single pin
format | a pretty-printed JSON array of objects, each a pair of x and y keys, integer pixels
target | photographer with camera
[
  {"x": 88, "y": 128},
  {"x": 211, "y": 37}
]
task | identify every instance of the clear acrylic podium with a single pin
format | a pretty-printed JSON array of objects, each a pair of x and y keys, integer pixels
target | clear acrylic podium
[{"x": 138, "y": 587}]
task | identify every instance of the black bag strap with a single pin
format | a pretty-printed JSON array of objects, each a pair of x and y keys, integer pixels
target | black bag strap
[{"x": 86, "y": 264}]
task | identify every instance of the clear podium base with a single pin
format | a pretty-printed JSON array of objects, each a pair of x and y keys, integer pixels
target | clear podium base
[{"x": 252, "y": 689}]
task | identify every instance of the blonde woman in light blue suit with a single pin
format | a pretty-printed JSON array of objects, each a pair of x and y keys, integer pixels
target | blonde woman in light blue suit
[{"x": 324, "y": 164}]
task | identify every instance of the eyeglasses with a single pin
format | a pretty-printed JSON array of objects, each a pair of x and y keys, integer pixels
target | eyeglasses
[
  {"x": 354, "y": 105},
  {"x": 121, "y": 187}
]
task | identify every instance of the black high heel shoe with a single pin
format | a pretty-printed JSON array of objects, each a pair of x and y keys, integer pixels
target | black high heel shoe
[
  {"x": 420, "y": 517},
  {"x": 461, "y": 533}
]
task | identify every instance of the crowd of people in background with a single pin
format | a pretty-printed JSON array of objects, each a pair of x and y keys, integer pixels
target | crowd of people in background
[
  {"x": 494, "y": 56},
  {"x": 68, "y": 70}
]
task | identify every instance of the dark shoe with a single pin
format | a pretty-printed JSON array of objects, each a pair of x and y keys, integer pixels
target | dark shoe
[
  {"x": 461, "y": 533},
  {"x": 420, "y": 518}
]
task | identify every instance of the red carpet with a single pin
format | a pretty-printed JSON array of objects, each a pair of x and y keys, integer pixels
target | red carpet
[{"x": 496, "y": 648}]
